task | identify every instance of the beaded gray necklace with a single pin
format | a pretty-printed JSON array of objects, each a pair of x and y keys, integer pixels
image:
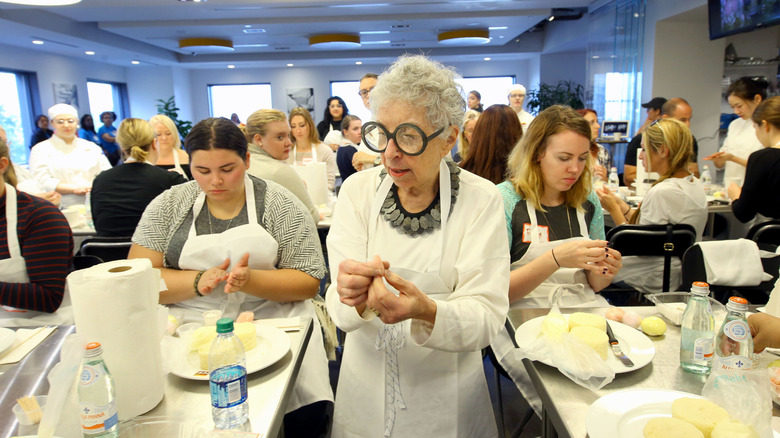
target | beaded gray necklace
[{"x": 424, "y": 222}]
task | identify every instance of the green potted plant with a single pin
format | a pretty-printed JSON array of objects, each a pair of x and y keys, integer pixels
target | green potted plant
[
  {"x": 564, "y": 93},
  {"x": 169, "y": 108}
]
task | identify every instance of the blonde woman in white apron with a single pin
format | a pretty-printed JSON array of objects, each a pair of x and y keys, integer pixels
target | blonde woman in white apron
[
  {"x": 307, "y": 147},
  {"x": 35, "y": 259},
  {"x": 422, "y": 261},
  {"x": 170, "y": 154},
  {"x": 555, "y": 225},
  {"x": 233, "y": 242}
]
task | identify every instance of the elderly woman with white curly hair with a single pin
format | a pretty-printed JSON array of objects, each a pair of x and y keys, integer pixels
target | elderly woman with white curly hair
[{"x": 422, "y": 257}]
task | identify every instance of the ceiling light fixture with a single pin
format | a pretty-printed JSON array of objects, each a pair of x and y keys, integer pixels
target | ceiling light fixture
[
  {"x": 134, "y": 62},
  {"x": 290, "y": 65},
  {"x": 375, "y": 42},
  {"x": 464, "y": 37},
  {"x": 37, "y": 42},
  {"x": 358, "y": 62},
  {"x": 498, "y": 28},
  {"x": 89, "y": 52},
  {"x": 335, "y": 41},
  {"x": 486, "y": 59},
  {"x": 206, "y": 45},
  {"x": 552, "y": 17},
  {"x": 231, "y": 66},
  {"x": 374, "y": 32},
  {"x": 42, "y": 2}
]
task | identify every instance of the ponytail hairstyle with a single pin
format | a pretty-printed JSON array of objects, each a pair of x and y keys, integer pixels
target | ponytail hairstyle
[
  {"x": 135, "y": 137},
  {"x": 258, "y": 121},
  {"x": 768, "y": 111},
  {"x": 674, "y": 135}
]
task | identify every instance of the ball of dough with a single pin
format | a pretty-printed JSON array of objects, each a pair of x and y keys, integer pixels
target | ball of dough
[
  {"x": 554, "y": 325},
  {"x": 631, "y": 319},
  {"x": 733, "y": 429},
  {"x": 653, "y": 326},
  {"x": 615, "y": 314},
  {"x": 670, "y": 428},
  {"x": 701, "y": 413},
  {"x": 581, "y": 319},
  {"x": 593, "y": 338}
]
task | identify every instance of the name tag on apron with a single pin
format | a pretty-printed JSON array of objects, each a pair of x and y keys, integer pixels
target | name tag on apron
[
  {"x": 543, "y": 231},
  {"x": 307, "y": 161}
]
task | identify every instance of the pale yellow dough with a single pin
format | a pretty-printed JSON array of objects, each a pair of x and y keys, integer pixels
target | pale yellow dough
[
  {"x": 202, "y": 337},
  {"x": 670, "y": 428},
  {"x": 701, "y": 413},
  {"x": 554, "y": 325},
  {"x": 581, "y": 319},
  {"x": 733, "y": 429},
  {"x": 593, "y": 338}
]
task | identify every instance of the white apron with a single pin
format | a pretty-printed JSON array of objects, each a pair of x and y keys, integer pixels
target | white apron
[
  {"x": 570, "y": 283},
  {"x": 443, "y": 383},
  {"x": 14, "y": 270},
  {"x": 206, "y": 251},
  {"x": 177, "y": 165},
  {"x": 304, "y": 161}
]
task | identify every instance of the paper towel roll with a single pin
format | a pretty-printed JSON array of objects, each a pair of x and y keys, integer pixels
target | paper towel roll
[{"x": 115, "y": 303}]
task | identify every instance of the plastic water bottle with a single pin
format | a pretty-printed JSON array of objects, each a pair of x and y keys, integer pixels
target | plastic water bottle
[
  {"x": 612, "y": 181},
  {"x": 227, "y": 378},
  {"x": 706, "y": 179},
  {"x": 97, "y": 395},
  {"x": 697, "y": 331},
  {"x": 734, "y": 343}
]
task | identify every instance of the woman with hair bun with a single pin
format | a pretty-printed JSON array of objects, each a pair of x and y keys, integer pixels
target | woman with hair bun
[
  {"x": 744, "y": 96},
  {"x": 762, "y": 175},
  {"x": 120, "y": 194}
]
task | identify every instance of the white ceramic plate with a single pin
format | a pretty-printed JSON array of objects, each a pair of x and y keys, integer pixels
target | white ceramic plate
[
  {"x": 7, "y": 338},
  {"x": 272, "y": 345},
  {"x": 624, "y": 413},
  {"x": 638, "y": 347}
]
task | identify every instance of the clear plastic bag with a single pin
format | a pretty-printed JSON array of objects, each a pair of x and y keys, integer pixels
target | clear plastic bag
[
  {"x": 744, "y": 395},
  {"x": 572, "y": 357}
]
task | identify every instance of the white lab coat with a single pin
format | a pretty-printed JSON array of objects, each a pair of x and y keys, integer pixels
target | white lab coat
[
  {"x": 740, "y": 141},
  {"x": 411, "y": 379},
  {"x": 201, "y": 252}
]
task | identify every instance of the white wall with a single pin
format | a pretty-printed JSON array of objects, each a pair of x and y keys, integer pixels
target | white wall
[
  {"x": 687, "y": 64},
  {"x": 566, "y": 66},
  {"x": 145, "y": 85},
  {"x": 59, "y": 69},
  {"x": 319, "y": 79}
]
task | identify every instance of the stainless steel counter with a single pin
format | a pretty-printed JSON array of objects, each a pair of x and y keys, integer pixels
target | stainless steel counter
[
  {"x": 268, "y": 393},
  {"x": 565, "y": 404}
]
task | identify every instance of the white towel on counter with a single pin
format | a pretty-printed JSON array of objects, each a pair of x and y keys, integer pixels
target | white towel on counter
[{"x": 734, "y": 262}]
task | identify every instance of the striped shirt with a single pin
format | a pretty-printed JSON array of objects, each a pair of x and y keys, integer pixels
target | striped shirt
[{"x": 47, "y": 245}]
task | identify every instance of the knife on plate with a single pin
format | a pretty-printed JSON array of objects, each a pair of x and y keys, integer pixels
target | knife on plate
[{"x": 616, "y": 348}]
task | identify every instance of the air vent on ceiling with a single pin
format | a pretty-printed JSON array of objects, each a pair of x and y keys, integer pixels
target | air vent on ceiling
[
  {"x": 282, "y": 48},
  {"x": 254, "y": 30},
  {"x": 399, "y": 26},
  {"x": 398, "y": 45}
]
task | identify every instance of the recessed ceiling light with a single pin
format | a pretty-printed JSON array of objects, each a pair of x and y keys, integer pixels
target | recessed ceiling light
[
  {"x": 247, "y": 26},
  {"x": 89, "y": 52},
  {"x": 486, "y": 59},
  {"x": 374, "y": 32},
  {"x": 134, "y": 62},
  {"x": 498, "y": 28},
  {"x": 375, "y": 42},
  {"x": 37, "y": 42},
  {"x": 359, "y": 62},
  {"x": 595, "y": 56},
  {"x": 290, "y": 65},
  {"x": 552, "y": 17},
  {"x": 231, "y": 66},
  {"x": 250, "y": 45},
  {"x": 42, "y": 2}
]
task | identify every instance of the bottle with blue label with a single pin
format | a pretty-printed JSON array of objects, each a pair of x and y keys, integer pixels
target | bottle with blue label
[
  {"x": 227, "y": 378},
  {"x": 734, "y": 343},
  {"x": 97, "y": 395},
  {"x": 697, "y": 331}
]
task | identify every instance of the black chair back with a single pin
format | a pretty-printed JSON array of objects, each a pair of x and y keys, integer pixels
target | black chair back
[
  {"x": 653, "y": 240},
  {"x": 766, "y": 232},
  {"x": 106, "y": 248}
]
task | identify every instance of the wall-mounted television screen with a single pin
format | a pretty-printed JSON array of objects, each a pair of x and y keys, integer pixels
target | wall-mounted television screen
[{"x": 728, "y": 17}]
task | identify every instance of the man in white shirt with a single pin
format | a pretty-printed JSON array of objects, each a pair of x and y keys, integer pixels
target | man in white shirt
[
  {"x": 364, "y": 158},
  {"x": 516, "y": 97}
]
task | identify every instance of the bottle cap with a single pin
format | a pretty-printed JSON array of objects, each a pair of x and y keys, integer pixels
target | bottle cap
[
  {"x": 224, "y": 325},
  {"x": 93, "y": 349},
  {"x": 737, "y": 303},
  {"x": 93, "y": 345},
  {"x": 700, "y": 288}
]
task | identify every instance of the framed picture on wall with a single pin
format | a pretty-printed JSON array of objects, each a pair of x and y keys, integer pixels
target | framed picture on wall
[
  {"x": 300, "y": 97},
  {"x": 66, "y": 93}
]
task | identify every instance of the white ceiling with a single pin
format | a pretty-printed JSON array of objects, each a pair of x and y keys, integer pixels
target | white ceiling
[{"x": 120, "y": 31}]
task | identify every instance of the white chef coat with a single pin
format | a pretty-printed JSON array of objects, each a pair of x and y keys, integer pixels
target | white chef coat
[
  {"x": 440, "y": 387},
  {"x": 201, "y": 252},
  {"x": 53, "y": 161},
  {"x": 14, "y": 270},
  {"x": 741, "y": 141},
  {"x": 525, "y": 119}
]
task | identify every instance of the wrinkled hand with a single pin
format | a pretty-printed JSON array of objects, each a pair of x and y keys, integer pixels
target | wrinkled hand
[
  {"x": 600, "y": 172},
  {"x": 52, "y": 197},
  {"x": 583, "y": 254},
  {"x": 355, "y": 277},
  {"x": 409, "y": 303},
  {"x": 612, "y": 263},
  {"x": 734, "y": 191},
  {"x": 212, "y": 277},
  {"x": 238, "y": 276},
  {"x": 765, "y": 329}
]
